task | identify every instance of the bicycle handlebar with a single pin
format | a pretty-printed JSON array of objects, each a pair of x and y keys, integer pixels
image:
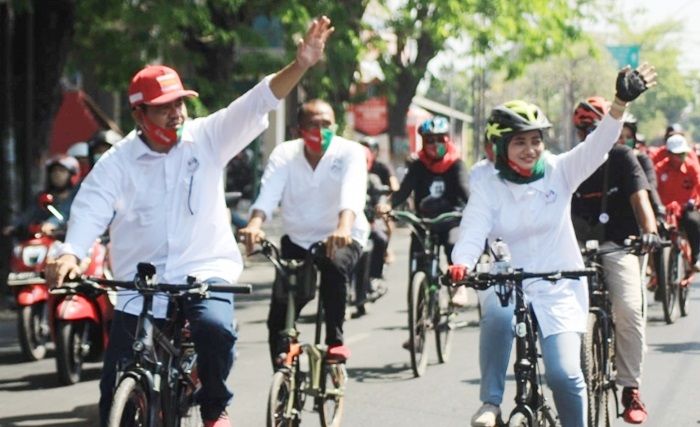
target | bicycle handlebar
[
  {"x": 414, "y": 219},
  {"x": 103, "y": 285},
  {"x": 481, "y": 281}
]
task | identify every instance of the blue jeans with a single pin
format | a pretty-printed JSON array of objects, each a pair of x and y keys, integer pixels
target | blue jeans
[
  {"x": 211, "y": 325},
  {"x": 561, "y": 354}
]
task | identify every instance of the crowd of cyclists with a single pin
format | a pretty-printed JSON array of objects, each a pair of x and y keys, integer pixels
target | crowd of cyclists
[{"x": 161, "y": 185}]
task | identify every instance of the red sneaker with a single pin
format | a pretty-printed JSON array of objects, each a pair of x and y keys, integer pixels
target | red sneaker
[
  {"x": 635, "y": 411},
  {"x": 338, "y": 352},
  {"x": 222, "y": 421}
]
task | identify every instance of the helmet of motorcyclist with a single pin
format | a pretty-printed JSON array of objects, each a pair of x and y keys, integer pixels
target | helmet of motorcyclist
[
  {"x": 55, "y": 167},
  {"x": 102, "y": 141}
]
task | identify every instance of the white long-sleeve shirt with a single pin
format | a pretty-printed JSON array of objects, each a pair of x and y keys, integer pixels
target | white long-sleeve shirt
[
  {"x": 534, "y": 220},
  {"x": 168, "y": 208},
  {"x": 312, "y": 199}
]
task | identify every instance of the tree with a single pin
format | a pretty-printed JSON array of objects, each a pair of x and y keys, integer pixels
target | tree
[
  {"x": 332, "y": 80},
  {"x": 507, "y": 34}
]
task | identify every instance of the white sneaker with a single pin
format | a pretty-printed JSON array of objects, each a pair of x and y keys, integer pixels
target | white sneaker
[
  {"x": 486, "y": 416},
  {"x": 460, "y": 297}
]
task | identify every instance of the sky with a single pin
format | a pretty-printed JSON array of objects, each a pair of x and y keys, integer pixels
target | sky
[{"x": 687, "y": 11}]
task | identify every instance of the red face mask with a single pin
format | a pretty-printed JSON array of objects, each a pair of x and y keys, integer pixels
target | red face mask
[{"x": 159, "y": 134}]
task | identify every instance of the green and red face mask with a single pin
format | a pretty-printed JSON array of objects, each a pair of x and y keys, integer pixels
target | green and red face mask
[
  {"x": 435, "y": 146},
  {"x": 316, "y": 139}
]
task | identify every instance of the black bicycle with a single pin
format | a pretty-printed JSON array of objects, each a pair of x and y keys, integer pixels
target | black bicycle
[
  {"x": 324, "y": 381},
  {"x": 531, "y": 407},
  {"x": 157, "y": 386},
  {"x": 429, "y": 307},
  {"x": 598, "y": 349}
]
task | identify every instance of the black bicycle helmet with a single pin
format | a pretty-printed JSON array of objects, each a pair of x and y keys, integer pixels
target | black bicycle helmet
[{"x": 513, "y": 117}]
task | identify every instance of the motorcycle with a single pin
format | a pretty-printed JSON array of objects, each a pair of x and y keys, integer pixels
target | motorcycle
[
  {"x": 27, "y": 262},
  {"x": 80, "y": 320},
  {"x": 77, "y": 323}
]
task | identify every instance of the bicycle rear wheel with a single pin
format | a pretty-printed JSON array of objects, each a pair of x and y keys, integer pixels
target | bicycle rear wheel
[
  {"x": 667, "y": 273},
  {"x": 418, "y": 322},
  {"x": 594, "y": 361},
  {"x": 281, "y": 398},
  {"x": 130, "y": 405},
  {"x": 443, "y": 321},
  {"x": 683, "y": 291},
  {"x": 332, "y": 400}
]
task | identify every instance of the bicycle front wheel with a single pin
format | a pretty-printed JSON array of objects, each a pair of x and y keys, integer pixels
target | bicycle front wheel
[
  {"x": 673, "y": 262},
  {"x": 418, "y": 322},
  {"x": 594, "y": 362},
  {"x": 130, "y": 404},
  {"x": 443, "y": 320},
  {"x": 332, "y": 399},
  {"x": 280, "y": 404}
]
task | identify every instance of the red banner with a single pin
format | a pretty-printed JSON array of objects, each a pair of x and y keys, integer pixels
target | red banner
[{"x": 371, "y": 116}]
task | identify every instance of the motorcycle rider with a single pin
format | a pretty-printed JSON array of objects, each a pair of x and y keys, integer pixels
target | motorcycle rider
[{"x": 62, "y": 182}]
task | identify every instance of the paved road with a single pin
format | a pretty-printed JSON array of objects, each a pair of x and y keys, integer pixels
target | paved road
[{"x": 381, "y": 391}]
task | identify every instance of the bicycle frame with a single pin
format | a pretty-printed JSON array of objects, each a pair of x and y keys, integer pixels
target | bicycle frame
[
  {"x": 156, "y": 356},
  {"x": 531, "y": 405},
  {"x": 315, "y": 352}
]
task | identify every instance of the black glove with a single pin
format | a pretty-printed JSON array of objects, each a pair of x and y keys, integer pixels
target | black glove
[
  {"x": 650, "y": 242},
  {"x": 629, "y": 85}
]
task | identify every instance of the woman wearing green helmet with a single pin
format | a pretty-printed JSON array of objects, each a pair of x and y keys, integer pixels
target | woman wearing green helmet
[{"x": 527, "y": 204}]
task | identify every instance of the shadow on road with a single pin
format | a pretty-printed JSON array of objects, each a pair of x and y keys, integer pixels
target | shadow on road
[
  {"x": 43, "y": 381},
  {"x": 80, "y": 416},
  {"x": 388, "y": 373},
  {"x": 680, "y": 347}
]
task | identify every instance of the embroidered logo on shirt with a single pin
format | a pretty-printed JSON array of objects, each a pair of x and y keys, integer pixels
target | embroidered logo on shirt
[
  {"x": 337, "y": 166},
  {"x": 550, "y": 197},
  {"x": 192, "y": 165},
  {"x": 664, "y": 177}
]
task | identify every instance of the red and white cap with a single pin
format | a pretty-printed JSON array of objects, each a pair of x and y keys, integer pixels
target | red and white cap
[{"x": 156, "y": 84}]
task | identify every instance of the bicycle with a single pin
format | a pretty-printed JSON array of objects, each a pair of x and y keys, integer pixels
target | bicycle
[
  {"x": 157, "y": 386},
  {"x": 325, "y": 379},
  {"x": 598, "y": 347},
  {"x": 428, "y": 307},
  {"x": 674, "y": 267},
  {"x": 532, "y": 408}
]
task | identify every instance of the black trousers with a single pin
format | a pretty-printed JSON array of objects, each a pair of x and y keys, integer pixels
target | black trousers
[
  {"x": 335, "y": 274},
  {"x": 690, "y": 223},
  {"x": 380, "y": 240}
]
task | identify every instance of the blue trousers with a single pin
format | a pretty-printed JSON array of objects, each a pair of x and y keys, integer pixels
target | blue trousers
[
  {"x": 211, "y": 325},
  {"x": 562, "y": 360}
]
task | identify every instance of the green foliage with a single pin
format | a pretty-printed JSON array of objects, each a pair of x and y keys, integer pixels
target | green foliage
[{"x": 506, "y": 35}]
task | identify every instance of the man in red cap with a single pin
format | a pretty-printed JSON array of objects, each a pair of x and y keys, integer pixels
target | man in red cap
[{"x": 160, "y": 192}]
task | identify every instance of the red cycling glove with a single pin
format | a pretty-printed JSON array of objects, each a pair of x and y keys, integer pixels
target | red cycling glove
[{"x": 458, "y": 272}]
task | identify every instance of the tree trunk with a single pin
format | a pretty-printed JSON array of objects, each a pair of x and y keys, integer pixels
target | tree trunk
[{"x": 49, "y": 27}]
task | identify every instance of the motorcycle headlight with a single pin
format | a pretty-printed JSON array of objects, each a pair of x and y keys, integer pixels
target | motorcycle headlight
[{"x": 33, "y": 255}]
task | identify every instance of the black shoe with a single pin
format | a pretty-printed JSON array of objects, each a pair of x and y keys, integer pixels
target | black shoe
[{"x": 361, "y": 311}]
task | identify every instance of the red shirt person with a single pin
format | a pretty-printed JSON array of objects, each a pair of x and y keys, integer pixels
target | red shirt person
[
  {"x": 677, "y": 172},
  {"x": 678, "y": 175}
]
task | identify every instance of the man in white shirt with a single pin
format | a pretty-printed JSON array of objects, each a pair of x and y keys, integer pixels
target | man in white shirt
[
  {"x": 320, "y": 181},
  {"x": 160, "y": 192}
]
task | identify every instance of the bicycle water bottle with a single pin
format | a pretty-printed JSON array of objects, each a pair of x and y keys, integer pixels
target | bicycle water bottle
[{"x": 502, "y": 258}]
